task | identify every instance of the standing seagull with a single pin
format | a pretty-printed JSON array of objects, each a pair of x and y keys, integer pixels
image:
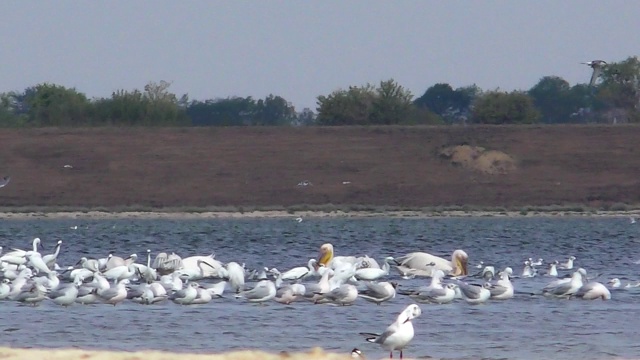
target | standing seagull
[
  {"x": 597, "y": 66},
  {"x": 398, "y": 334}
]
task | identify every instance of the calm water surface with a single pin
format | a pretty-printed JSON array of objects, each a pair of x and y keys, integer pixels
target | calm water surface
[{"x": 524, "y": 327}]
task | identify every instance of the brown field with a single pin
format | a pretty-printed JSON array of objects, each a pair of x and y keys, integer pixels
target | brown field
[{"x": 349, "y": 167}]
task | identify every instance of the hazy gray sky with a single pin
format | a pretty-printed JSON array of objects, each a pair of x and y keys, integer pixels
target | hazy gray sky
[{"x": 302, "y": 49}]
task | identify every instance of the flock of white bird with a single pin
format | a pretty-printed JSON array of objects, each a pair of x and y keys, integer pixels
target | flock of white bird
[{"x": 31, "y": 277}]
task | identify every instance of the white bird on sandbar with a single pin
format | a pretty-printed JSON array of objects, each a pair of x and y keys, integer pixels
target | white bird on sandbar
[
  {"x": 398, "y": 335},
  {"x": 424, "y": 264}
]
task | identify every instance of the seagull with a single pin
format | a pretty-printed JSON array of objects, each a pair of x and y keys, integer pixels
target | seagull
[
  {"x": 399, "y": 334},
  {"x": 4, "y": 181},
  {"x": 597, "y": 66},
  {"x": 299, "y": 219},
  {"x": 632, "y": 220}
]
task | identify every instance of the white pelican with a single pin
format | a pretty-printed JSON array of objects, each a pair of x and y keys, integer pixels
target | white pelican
[
  {"x": 398, "y": 335},
  {"x": 213, "y": 269},
  {"x": 424, "y": 264},
  {"x": 328, "y": 259},
  {"x": 592, "y": 291},
  {"x": 597, "y": 66}
]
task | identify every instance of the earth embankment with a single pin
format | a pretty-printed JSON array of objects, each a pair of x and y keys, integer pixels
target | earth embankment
[{"x": 404, "y": 167}]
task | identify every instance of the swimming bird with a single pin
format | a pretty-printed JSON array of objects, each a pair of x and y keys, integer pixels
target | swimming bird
[
  {"x": 420, "y": 263},
  {"x": 185, "y": 296},
  {"x": 264, "y": 290},
  {"x": 435, "y": 293},
  {"x": 592, "y": 291},
  {"x": 565, "y": 287},
  {"x": 235, "y": 274},
  {"x": 379, "y": 292},
  {"x": 553, "y": 269},
  {"x": 502, "y": 289},
  {"x": 528, "y": 270},
  {"x": 4, "y": 181},
  {"x": 569, "y": 264},
  {"x": 288, "y": 294},
  {"x": 597, "y": 66},
  {"x": 50, "y": 259},
  {"x": 367, "y": 273},
  {"x": 632, "y": 220},
  {"x": 398, "y": 335},
  {"x": 345, "y": 294},
  {"x": 65, "y": 295},
  {"x": 475, "y": 294},
  {"x": 297, "y": 272},
  {"x": 115, "y": 294}
]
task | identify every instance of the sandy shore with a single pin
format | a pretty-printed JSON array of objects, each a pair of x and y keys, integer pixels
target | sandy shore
[
  {"x": 72, "y": 354},
  {"x": 303, "y": 214}
]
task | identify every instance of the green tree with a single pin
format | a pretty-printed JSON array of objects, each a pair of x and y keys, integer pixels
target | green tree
[
  {"x": 55, "y": 105},
  {"x": 497, "y": 107},
  {"x": 232, "y": 111},
  {"x": 452, "y": 105},
  {"x": 156, "y": 106},
  {"x": 274, "y": 110},
  {"x": 619, "y": 91},
  {"x": 389, "y": 103}
]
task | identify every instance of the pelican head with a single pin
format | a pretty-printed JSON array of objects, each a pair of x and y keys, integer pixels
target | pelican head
[
  {"x": 459, "y": 259},
  {"x": 326, "y": 254}
]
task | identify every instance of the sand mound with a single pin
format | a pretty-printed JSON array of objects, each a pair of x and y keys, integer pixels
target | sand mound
[{"x": 479, "y": 159}]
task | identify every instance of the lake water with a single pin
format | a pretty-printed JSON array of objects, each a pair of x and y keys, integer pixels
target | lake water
[{"x": 525, "y": 327}]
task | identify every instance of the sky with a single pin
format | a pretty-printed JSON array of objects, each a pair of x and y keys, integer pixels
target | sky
[{"x": 302, "y": 49}]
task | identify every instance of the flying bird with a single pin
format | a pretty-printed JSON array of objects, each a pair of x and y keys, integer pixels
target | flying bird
[{"x": 597, "y": 66}]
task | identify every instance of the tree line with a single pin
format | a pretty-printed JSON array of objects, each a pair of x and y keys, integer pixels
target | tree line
[{"x": 614, "y": 98}]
